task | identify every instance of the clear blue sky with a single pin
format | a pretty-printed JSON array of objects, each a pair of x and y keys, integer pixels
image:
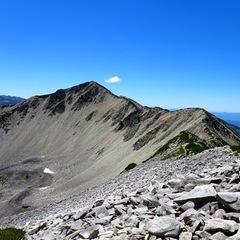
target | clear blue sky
[{"x": 167, "y": 53}]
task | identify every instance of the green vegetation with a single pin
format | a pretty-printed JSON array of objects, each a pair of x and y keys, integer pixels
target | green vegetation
[
  {"x": 130, "y": 166},
  {"x": 100, "y": 151},
  {"x": 145, "y": 139},
  {"x": 195, "y": 148},
  {"x": 107, "y": 115},
  {"x": 25, "y": 206},
  {"x": 27, "y": 177},
  {"x": 90, "y": 116},
  {"x": 3, "y": 179},
  {"x": 130, "y": 132},
  {"x": 76, "y": 124},
  {"x": 12, "y": 234},
  {"x": 235, "y": 149},
  {"x": 59, "y": 108},
  {"x": 187, "y": 143}
]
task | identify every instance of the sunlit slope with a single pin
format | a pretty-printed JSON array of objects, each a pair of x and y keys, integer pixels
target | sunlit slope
[{"x": 87, "y": 135}]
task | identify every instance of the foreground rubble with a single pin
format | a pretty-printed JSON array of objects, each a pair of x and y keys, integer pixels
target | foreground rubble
[{"x": 194, "y": 205}]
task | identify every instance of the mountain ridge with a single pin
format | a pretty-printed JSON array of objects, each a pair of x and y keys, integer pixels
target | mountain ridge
[
  {"x": 9, "y": 100},
  {"x": 87, "y": 135}
]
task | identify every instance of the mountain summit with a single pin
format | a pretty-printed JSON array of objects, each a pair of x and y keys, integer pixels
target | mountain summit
[{"x": 55, "y": 145}]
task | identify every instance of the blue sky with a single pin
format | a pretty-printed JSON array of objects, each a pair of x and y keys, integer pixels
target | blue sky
[{"x": 167, "y": 53}]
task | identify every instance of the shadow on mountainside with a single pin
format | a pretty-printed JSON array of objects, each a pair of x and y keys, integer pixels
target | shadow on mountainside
[{"x": 19, "y": 181}]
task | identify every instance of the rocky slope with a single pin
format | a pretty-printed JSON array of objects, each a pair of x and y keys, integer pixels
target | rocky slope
[
  {"x": 192, "y": 198},
  {"x": 57, "y": 145}
]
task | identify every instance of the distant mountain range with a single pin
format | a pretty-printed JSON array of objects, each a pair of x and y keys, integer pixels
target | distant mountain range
[
  {"x": 86, "y": 135},
  {"x": 9, "y": 100},
  {"x": 232, "y": 118}
]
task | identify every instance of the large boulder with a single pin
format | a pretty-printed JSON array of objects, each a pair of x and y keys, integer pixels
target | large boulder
[
  {"x": 200, "y": 194},
  {"x": 220, "y": 225},
  {"x": 230, "y": 200},
  {"x": 164, "y": 227}
]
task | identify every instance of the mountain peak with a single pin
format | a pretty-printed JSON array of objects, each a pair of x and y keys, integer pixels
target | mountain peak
[{"x": 87, "y": 135}]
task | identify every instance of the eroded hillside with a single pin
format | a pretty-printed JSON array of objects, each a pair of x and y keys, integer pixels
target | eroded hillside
[{"x": 86, "y": 135}]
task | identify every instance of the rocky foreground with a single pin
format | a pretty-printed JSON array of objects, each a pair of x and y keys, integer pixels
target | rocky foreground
[{"x": 193, "y": 198}]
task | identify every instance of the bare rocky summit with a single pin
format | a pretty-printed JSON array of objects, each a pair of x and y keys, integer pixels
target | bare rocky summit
[{"x": 60, "y": 144}]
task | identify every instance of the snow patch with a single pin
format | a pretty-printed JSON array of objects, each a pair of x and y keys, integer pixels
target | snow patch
[
  {"x": 47, "y": 170},
  {"x": 43, "y": 188}
]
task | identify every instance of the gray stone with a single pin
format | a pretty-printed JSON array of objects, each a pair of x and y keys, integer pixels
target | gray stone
[
  {"x": 101, "y": 211},
  {"x": 218, "y": 236},
  {"x": 165, "y": 209},
  {"x": 185, "y": 236},
  {"x": 195, "y": 237},
  {"x": 220, "y": 213},
  {"x": 134, "y": 200},
  {"x": 235, "y": 179},
  {"x": 153, "y": 238},
  {"x": 90, "y": 233},
  {"x": 196, "y": 226},
  {"x": 106, "y": 234},
  {"x": 187, "y": 205},
  {"x": 234, "y": 188},
  {"x": 99, "y": 202},
  {"x": 120, "y": 209},
  {"x": 204, "y": 181},
  {"x": 235, "y": 236},
  {"x": 191, "y": 215},
  {"x": 152, "y": 189},
  {"x": 225, "y": 226},
  {"x": 104, "y": 220},
  {"x": 76, "y": 225},
  {"x": 230, "y": 199},
  {"x": 34, "y": 230},
  {"x": 233, "y": 216},
  {"x": 150, "y": 201},
  {"x": 200, "y": 194},
  {"x": 203, "y": 235},
  {"x": 73, "y": 235},
  {"x": 140, "y": 210},
  {"x": 225, "y": 170},
  {"x": 117, "y": 223},
  {"x": 188, "y": 187},
  {"x": 80, "y": 214},
  {"x": 177, "y": 183},
  {"x": 164, "y": 227}
]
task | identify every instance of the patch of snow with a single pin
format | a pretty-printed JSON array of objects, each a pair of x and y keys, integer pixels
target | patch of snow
[
  {"x": 47, "y": 170},
  {"x": 43, "y": 188}
]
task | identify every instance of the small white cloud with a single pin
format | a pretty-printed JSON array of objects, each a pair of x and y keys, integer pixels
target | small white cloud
[{"x": 114, "y": 79}]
